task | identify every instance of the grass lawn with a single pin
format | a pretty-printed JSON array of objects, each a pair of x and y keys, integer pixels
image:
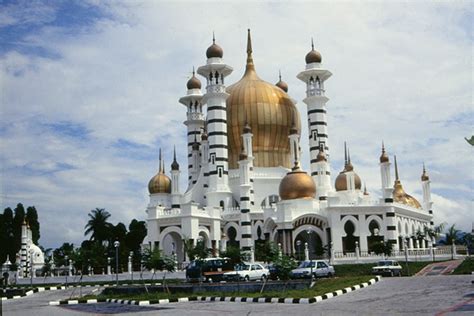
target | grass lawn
[
  {"x": 322, "y": 286},
  {"x": 75, "y": 282},
  {"x": 343, "y": 270},
  {"x": 466, "y": 267}
]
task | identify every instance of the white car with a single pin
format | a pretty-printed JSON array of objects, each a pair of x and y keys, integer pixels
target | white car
[
  {"x": 319, "y": 268},
  {"x": 387, "y": 267},
  {"x": 247, "y": 272}
]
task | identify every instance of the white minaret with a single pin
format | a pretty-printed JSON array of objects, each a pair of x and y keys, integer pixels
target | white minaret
[
  {"x": 315, "y": 76},
  {"x": 294, "y": 143},
  {"x": 24, "y": 250},
  {"x": 322, "y": 176},
  {"x": 194, "y": 120},
  {"x": 175, "y": 182},
  {"x": 387, "y": 187},
  {"x": 247, "y": 137},
  {"x": 427, "y": 202},
  {"x": 215, "y": 71},
  {"x": 246, "y": 241}
]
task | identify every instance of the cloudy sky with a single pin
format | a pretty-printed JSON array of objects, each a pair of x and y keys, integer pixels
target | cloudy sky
[{"x": 90, "y": 89}]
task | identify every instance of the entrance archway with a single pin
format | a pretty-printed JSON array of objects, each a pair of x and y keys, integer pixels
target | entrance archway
[{"x": 315, "y": 245}]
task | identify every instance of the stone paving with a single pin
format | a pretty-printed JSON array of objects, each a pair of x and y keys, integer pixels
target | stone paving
[{"x": 439, "y": 268}]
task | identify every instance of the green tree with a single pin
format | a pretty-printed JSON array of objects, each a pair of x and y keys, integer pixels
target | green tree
[
  {"x": 265, "y": 251},
  {"x": 199, "y": 251},
  {"x": 17, "y": 223},
  {"x": 284, "y": 265},
  {"x": 155, "y": 260},
  {"x": 383, "y": 248},
  {"x": 32, "y": 220},
  {"x": 98, "y": 226},
  {"x": 66, "y": 249},
  {"x": 7, "y": 237},
  {"x": 452, "y": 234},
  {"x": 234, "y": 254}
]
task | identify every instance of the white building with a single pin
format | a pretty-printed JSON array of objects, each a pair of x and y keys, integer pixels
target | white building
[
  {"x": 245, "y": 183},
  {"x": 30, "y": 259}
]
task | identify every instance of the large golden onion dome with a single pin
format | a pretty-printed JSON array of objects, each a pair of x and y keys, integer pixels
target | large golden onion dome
[
  {"x": 399, "y": 194},
  {"x": 343, "y": 177},
  {"x": 160, "y": 183},
  {"x": 268, "y": 110},
  {"x": 297, "y": 184}
]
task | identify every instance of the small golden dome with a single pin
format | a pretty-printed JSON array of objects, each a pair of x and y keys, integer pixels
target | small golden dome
[
  {"x": 342, "y": 178},
  {"x": 424, "y": 175},
  {"x": 193, "y": 83},
  {"x": 399, "y": 195},
  {"x": 268, "y": 110},
  {"x": 383, "y": 156},
  {"x": 160, "y": 183},
  {"x": 214, "y": 51},
  {"x": 341, "y": 181},
  {"x": 313, "y": 56},
  {"x": 297, "y": 184}
]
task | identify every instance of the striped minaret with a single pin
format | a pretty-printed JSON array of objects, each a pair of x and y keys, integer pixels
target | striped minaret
[
  {"x": 24, "y": 250},
  {"x": 315, "y": 76},
  {"x": 322, "y": 176},
  {"x": 194, "y": 120},
  {"x": 215, "y": 70},
  {"x": 246, "y": 196}
]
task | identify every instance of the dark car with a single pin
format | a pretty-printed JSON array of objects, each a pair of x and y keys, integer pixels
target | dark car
[
  {"x": 208, "y": 270},
  {"x": 273, "y": 272}
]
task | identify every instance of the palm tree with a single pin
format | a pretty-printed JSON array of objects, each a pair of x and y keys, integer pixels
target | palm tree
[
  {"x": 98, "y": 225},
  {"x": 451, "y": 234}
]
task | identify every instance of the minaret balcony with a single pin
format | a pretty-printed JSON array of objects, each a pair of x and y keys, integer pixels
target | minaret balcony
[
  {"x": 215, "y": 88},
  {"x": 195, "y": 116},
  {"x": 313, "y": 91}
]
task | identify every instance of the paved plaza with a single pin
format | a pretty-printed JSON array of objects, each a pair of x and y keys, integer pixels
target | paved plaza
[{"x": 433, "y": 295}]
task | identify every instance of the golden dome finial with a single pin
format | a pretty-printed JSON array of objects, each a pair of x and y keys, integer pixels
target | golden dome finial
[
  {"x": 345, "y": 154},
  {"x": 213, "y": 37},
  {"x": 397, "y": 179},
  {"x": 312, "y": 43},
  {"x": 250, "y": 65},
  {"x": 160, "y": 170},
  {"x": 174, "y": 164},
  {"x": 349, "y": 166}
]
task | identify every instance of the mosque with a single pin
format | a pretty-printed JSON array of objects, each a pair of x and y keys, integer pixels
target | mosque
[{"x": 245, "y": 180}]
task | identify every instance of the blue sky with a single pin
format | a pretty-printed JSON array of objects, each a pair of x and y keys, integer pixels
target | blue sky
[{"x": 90, "y": 92}]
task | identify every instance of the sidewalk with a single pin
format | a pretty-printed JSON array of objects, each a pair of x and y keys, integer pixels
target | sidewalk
[{"x": 439, "y": 268}]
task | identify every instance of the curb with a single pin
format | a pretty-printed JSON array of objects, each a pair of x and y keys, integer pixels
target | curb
[
  {"x": 310, "y": 300},
  {"x": 55, "y": 288}
]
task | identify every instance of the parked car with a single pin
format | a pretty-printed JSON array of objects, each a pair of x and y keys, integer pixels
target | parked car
[
  {"x": 387, "y": 267},
  {"x": 272, "y": 272},
  {"x": 247, "y": 272},
  {"x": 319, "y": 268},
  {"x": 209, "y": 269}
]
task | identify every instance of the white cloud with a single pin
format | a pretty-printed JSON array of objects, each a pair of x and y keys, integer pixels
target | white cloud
[{"x": 401, "y": 73}]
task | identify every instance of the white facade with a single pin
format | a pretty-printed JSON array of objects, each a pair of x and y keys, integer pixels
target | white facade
[{"x": 242, "y": 206}]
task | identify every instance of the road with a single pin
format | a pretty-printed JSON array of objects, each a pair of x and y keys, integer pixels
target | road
[{"x": 442, "y": 295}]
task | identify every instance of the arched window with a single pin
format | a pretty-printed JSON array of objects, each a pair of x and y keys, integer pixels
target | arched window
[{"x": 221, "y": 204}]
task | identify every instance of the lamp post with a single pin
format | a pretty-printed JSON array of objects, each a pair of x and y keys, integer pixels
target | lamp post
[
  {"x": 130, "y": 264},
  {"x": 116, "y": 245},
  {"x": 31, "y": 267},
  {"x": 65, "y": 265},
  {"x": 405, "y": 246},
  {"x": 298, "y": 246},
  {"x": 309, "y": 254}
]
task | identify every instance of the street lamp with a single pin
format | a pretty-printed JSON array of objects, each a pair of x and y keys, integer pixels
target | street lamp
[
  {"x": 309, "y": 255},
  {"x": 298, "y": 245},
  {"x": 116, "y": 245},
  {"x": 130, "y": 264},
  {"x": 65, "y": 265}
]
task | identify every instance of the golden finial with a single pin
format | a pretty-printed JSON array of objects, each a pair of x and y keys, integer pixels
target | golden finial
[
  {"x": 397, "y": 179},
  {"x": 160, "y": 168}
]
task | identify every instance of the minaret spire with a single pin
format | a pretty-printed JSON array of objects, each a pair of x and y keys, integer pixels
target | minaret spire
[
  {"x": 213, "y": 37},
  {"x": 250, "y": 65},
  {"x": 279, "y": 74},
  {"x": 345, "y": 154},
  {"x": 312, "y": 43},
  {"x": 397, "y": 179},
  {"x": 160, "y": 168}
]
